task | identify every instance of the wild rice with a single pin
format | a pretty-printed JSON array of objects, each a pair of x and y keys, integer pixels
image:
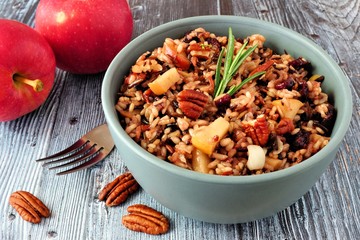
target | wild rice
[{"x": 158, "y": 124}]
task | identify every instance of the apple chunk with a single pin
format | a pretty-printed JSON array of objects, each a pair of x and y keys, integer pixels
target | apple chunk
[
  {"x": 165, "y": 81},
  {"x": 273, "y": 164},
  {"x": 200, "y": 161},
  {"x": 288, "y": 110},
  {"x": 207, "y": 137}
]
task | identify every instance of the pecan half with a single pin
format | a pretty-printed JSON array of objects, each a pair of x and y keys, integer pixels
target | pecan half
[
  {"x": 145, "y": 219},
  {"x": 285, "y": 125},
  {"x": 192, "y": 102},
  {"x": 118, "y": 190},
  {"x": 258, "y": 130},
  {"x": 29, "y": 207},
  {"x": 198, "y": 50}
]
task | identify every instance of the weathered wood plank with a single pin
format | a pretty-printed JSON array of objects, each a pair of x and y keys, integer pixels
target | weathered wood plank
[{"x": 329, "y": 210}]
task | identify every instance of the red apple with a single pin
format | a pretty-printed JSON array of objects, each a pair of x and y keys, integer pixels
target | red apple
[
  {"x": 27, "y": 69},
  {"x": 84, "y": 34}
]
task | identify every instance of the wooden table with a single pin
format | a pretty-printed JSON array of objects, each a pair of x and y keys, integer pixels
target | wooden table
[{"x": 330, "y": 210}]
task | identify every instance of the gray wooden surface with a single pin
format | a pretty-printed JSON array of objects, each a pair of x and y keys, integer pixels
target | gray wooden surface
[{"x": 330, "y": 210}]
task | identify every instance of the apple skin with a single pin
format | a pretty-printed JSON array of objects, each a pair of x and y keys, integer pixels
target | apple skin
[
  {"x": 24, "y": 53},
  {"x": 85, "y": 35}
]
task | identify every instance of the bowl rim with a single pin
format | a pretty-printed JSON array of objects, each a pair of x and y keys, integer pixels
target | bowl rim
[{"x": 114, "y": 124}]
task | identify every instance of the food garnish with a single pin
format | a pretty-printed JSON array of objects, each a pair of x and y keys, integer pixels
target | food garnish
[{"x": 231, "y": 65}]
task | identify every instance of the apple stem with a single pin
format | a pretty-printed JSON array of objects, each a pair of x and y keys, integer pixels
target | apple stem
[{"x": 37, "y": 84}]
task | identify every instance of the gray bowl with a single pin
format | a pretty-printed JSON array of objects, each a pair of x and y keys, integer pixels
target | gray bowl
[{"x": 226, "y": 199}]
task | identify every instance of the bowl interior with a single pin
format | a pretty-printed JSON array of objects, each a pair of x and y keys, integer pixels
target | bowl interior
[{"x": 278, "y": 38}]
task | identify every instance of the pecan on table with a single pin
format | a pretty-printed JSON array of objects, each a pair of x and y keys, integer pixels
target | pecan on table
[
  {"x": 29, "y": 207},
  {"x": 192, "y": 102},
  {"x": 145, "y": 219},
  {"x": 118, "y": 190}
]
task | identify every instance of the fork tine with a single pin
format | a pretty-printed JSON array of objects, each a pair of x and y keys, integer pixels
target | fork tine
[
  {"x": 90, "y": 153},
  {"x": 76, "y": 154},
  {"x": 90, "y": 149},
  {"x": 70, "y": 150},
  {"x": 86, "y": 164}
]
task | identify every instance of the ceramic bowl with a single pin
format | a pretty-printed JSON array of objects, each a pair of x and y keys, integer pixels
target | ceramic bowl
[{"x": 226, "y": 199}]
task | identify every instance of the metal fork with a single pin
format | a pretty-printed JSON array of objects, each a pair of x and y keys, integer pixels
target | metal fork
[{"x": 87, "y": 151}]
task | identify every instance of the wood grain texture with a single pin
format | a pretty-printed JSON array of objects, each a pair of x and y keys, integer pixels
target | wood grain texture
[{"x": 330, "y": 210}]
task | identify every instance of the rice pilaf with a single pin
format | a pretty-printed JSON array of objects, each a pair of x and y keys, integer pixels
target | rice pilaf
[{"x": 282, "y": 116}]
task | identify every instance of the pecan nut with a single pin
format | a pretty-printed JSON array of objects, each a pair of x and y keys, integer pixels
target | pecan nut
[
  {"x": 145, "y": 219},
  {"x": 29, "y": 207},
  {"x": 192, "y": 102},
  {"x": 117, "y": 191},
  {"x": 285, "y": 125},
  {"x": 258, "y": 130},
  {"x": 202, "y": 51}
]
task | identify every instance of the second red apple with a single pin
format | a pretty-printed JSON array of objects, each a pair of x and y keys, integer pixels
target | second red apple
[{"x": 84, "y": 35}]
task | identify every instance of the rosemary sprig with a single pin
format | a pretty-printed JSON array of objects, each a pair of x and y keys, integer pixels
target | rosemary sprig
[
  {"x": 231, "y": 66},
  {"x": 218, "y": 68},
  {"x": 236, "y": 88}
]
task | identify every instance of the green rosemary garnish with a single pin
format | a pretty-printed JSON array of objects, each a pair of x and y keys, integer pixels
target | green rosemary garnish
[
  {"x": 231, "y": 65},
  {"x": 236, "y": 88}
]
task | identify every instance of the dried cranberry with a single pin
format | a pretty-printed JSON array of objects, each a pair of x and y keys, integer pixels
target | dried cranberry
[
  {"x": 299, "y": 63},
  {"x": 303, "y": 89},
  {"x": 308, "y": 112},
  {"x": 329, "y": 120},
  {"x": 288, "y": 84},
  {"x": 299, "y": 140},
  {"x": 214, "y": 42},
  {"x": 223, "y": 101},
  {"x": 272, "y": 142}
]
